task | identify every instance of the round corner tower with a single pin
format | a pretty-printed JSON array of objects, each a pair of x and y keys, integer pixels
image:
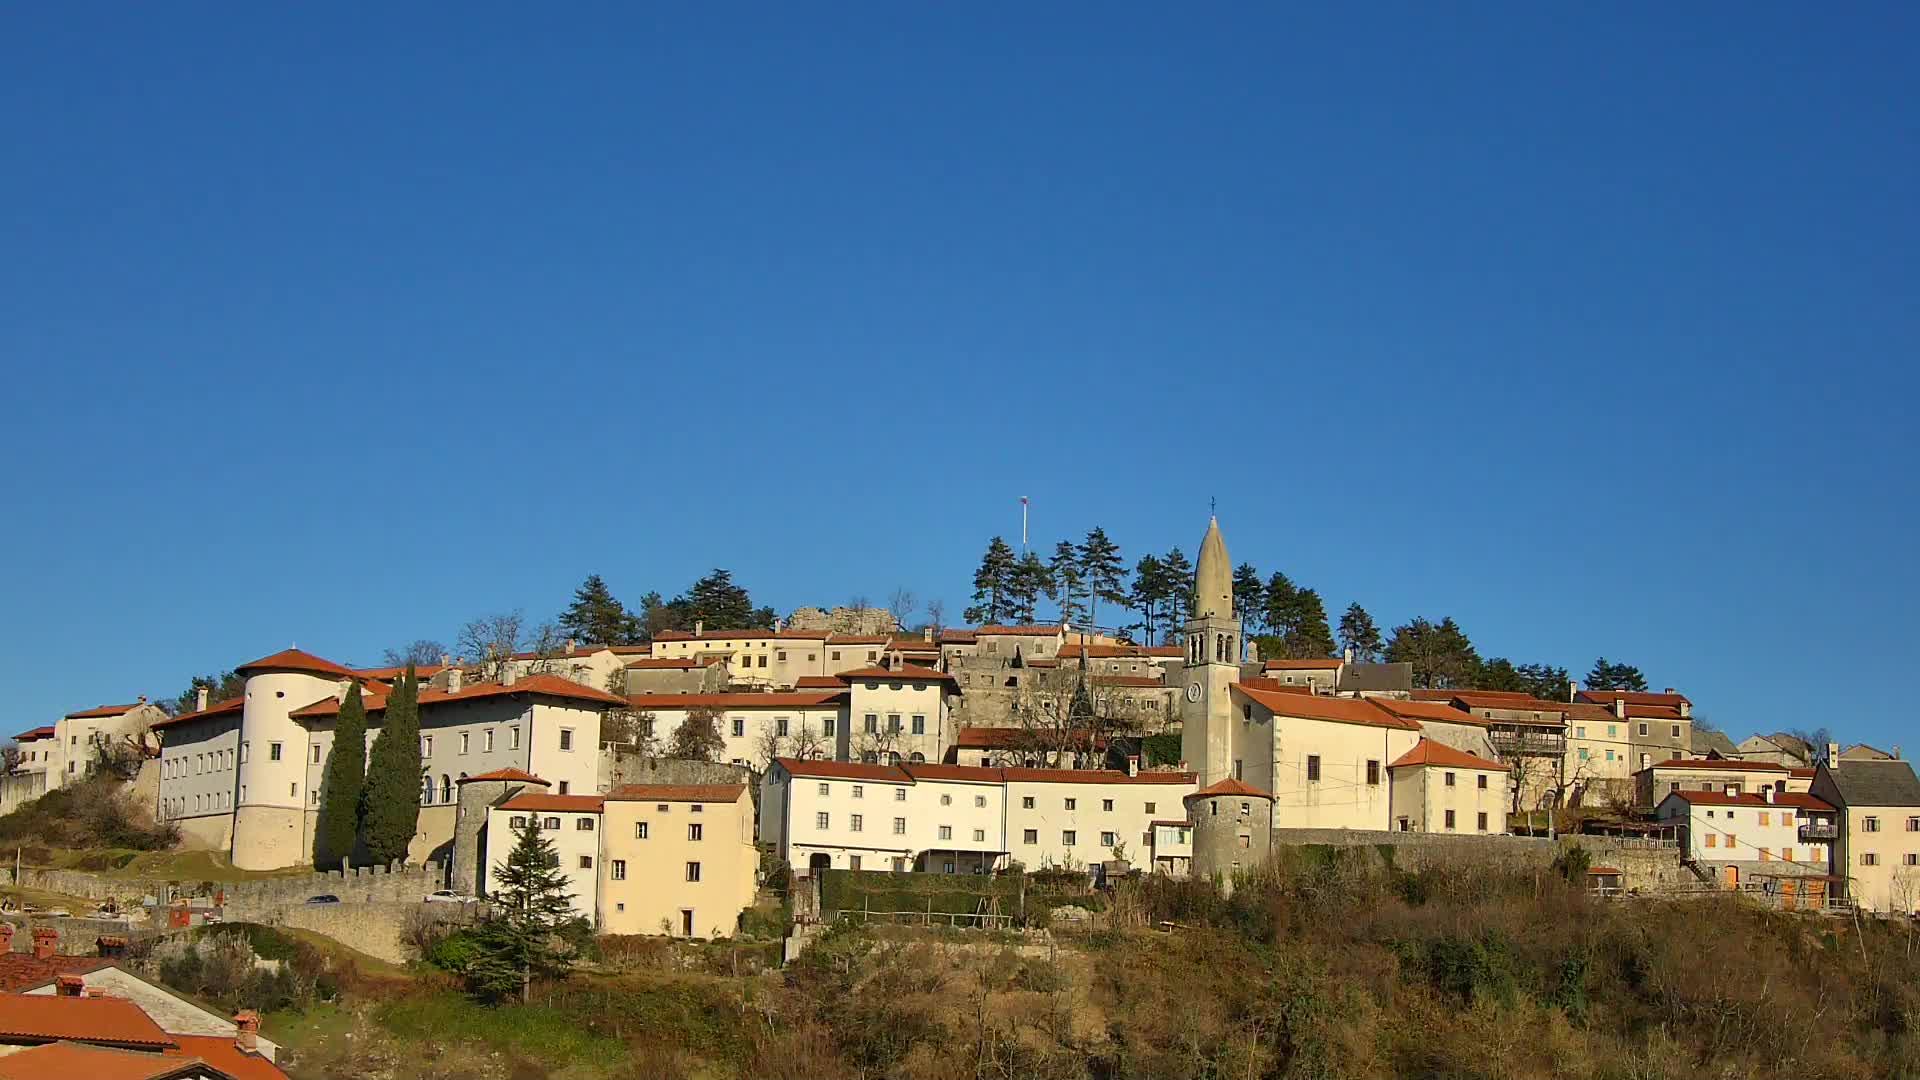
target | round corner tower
[
  {"x": 271, "y": 800},
  {"x": 466, "y": 867},
  {"x": 1232, "y": 830}
]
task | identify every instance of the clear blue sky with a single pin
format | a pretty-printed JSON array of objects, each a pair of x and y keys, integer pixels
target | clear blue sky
[{"x": 1593, "y": 329}]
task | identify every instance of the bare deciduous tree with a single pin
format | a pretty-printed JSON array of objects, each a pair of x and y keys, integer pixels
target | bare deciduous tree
[
  {"x": 810, "y": 745},
  {"x": 937, "y": 615},
  {"x": 901, "y": 605},
  {"x": 420, "y": 651},
  {"x": 492, "y": 640}
]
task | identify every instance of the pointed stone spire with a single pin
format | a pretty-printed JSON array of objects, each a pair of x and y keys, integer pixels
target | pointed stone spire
[{"x": 1213, "y": 578}]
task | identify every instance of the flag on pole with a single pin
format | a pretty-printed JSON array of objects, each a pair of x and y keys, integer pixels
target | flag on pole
[{"x": 1023, "y": 524}]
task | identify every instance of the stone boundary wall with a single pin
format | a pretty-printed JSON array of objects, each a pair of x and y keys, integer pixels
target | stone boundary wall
[
  {"x": 377, "y": 929},
  {"x": 1645, "y": 869},
  {"x": 367, "y": 884}
]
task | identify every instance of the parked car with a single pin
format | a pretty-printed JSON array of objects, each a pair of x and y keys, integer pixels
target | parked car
[
  {"x": 57, "y": 913},
  {"x": 448, "y": 896},
  {"x": 323, "y": 898}
]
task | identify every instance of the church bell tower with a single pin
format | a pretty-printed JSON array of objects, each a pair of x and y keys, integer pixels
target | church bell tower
[{"x": 1212, "y": 664}]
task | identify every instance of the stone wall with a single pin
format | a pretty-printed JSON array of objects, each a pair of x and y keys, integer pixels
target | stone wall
[
  {"x": 360, "y": 885},
  {"x": 1645, "y": 868},
  {"x": 844, "y": 620},
  {"x": 377, "y": 929},
  {"x": 619, "y": 766}
]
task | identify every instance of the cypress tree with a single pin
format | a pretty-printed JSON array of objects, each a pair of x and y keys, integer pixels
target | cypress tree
[
  {"x": 391, "y": 810},
  {"x": 340, "y": 790}
]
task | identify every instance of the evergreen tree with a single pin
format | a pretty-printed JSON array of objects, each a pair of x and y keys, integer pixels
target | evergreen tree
[
  {"x": 1605, "y": 676},
  {"x": 1358, "y": 632},
  {"x": 390, "y": 812},
  {"x": 1309, "y": 636},
  {"x": 1030, "y": 580},
  {"x": 1150, "y": 593},
  {"x": 1105, "y": 575},
  {"x": 698, "y": 737},
  {"x": 1278, "y": 599},
  {"x": 595, "y": 617},
  {"x": 531, "y": 909},
  {"x": 720, "y": 604},
  {"x": 1544, "y": 681},
  {"x": 1500, "y": 674},
  {"x": 1249, "y": 599},
  {"x": 340, "y": 788},
  {"x": 1065, "y": 583},
  {"x": 992, "y": 585},
  {"x": 1441, "y": 655},
  {"x": 1179, "y": 578}
]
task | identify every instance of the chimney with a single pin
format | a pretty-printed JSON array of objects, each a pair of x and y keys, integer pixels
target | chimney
[
  {"x": 246, "y": 1031},
  {"x": 1573, "y": 689},
  {"x": 1620, "y": 707},
  {"x": 69, "y": 986},
  {"x": 6, "y": 937},
  {"x": 445, "y": 659},
  {"x": 143, "y": 699},
  {"x": 1773, "y": 790},
  {"x": 111, "y": 946},
  {"x": 1833, "y": 755},
  {"x": 699, "y": 627},
  {"x": 1896, "y": 751},
  {"x": 46, "y": 942},
  {"x": 926, "y": 633},
  {"x": 1347, "y": 654},
  {"x": 455, "y": 680},
  {"x": 570, "y": 646},
  {"x": 1253, "y": 651},
  {"x": 200, "y": 700},
  {"x": 508, "y": 674}
]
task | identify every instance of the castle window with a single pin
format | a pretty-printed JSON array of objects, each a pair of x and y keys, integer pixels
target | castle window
[
  {"x": 273, "y": 751},
  {"x": 1373, "y": 772},
  {"x": 1313, "y": 768},
  {"x": 518, "y": 822},
  {"x": 446, "y": 788},
  {"x": 566, "y": 738}
]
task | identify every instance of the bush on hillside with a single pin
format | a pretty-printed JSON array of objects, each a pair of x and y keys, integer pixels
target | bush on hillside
[{"x": 95, "y": 812}]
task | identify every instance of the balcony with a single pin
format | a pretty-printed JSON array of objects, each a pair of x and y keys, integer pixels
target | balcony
[
  {"x": 1819, "y": 830},
  {"x": 1528, "y": 742}
]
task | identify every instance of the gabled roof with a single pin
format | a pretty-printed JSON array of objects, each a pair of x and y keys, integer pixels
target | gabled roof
[
  {"x": 845, "y": 770},
  {"x": 519, "y": 776},
  {"x": 820, "y": 682},
  {"x": 902, "y": 673},
  {"x": 1799, "y": 800},
  {"x": 809, "y": 699},
  {"x": 542, "y": 802},
  {"x": 739, "y": 635},
  {"x": 295, "y": 660},
  {"x": 1500, "y": 699},
  {"x": 1718, "y": 764},
  {"x": 1073, "y": 650},
  {"x": 1093, "y": 776},
  {"x": 1337, "y": 710},
  {"x": 1007, "y": 738},
  {"x": 1635, "y": 697},
  {"x": 78, "y": 1061},
  {"x": 701, "y": 793},
  {"x": 1320, "y": 663},
  {"x": 1871, "y": 782},
  {"x": 858, "y": 639},
  {"x": 1705, "y": 742},
  {"x": 38, "y": 733},
  {"x": 23, "y": 971},
  {"x": 220, "y": 1052},
  {"x": 103, "y": 1020},
  {"x": 974, "y": 774},
  {"x": 1229, "y": 787},
  {"x": 103, "y": 710},
  {"x": 1430, "y": 752},
  {"x": 1019, "y": 631},
  {"x": 1427, "y": 710},
  {"x": 543, "y": 685},
  {"x": 224, "y": 708},
  {"x": 957, "y": 637}
]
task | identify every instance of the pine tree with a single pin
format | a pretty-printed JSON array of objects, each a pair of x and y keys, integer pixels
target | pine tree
[
  {"x": 1544, "y": 681},
  {"x": 719, "y": 604},
  {"x": 340, "y": 789},
  {"x": 1249, "y": 599},
  {"x": 390, "y": 811},
  {"x": 1605, "y": 676},
  {"x": 698, "y": 737},
  {"x": 992, "y": 584},
  {"x": 1279, "y": 599},
  {"x": 1358, "y": 632},
  {"x": 531, "y": 908},
  {"x": 1105, "y": 575},
  {"x": 1500, "y": 674},
  {"x": 1180, "y": 589},
  {"x": 596, "y": 617},
  {"x": 1441, "y": 655},
  {"x": 1030, "y": 580},
  {"x": 1066, "y": 584},
  {"x": 1309, "y": 637},
  {"x": 1151, "y": 591}
]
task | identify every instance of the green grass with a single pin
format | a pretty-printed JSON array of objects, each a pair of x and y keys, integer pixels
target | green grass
[{"x": 548, "y": 1035}]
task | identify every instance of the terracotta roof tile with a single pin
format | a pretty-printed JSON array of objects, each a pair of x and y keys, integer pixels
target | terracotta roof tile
[
  {"x": 220, "y": 1052},
  {"x": 701, "y": 793},
  {"x": 1427, "y": 710},
  {"x": 1633, "y": 697},
  {"x": 1718, "y": 764},
  {"x": 295, "y": 660},
  {"x": 104, "y": 1020},
  {"x": 957, "y": 637},
  {"x": 1277, "y": 686},
  {"x": 540, "y": 801},
  {"x": 1336, "y": 710},
  {"x": 1229, "y": 787},
  {"x": 1073, "y": 650},
  {"x": 1093, "y": 776},
  {"x": 544, "y": 685},
  {"x": 741, "y": 635},
  {"x": 1429, "y": 752},
  {"x": 904, "y": 671},
  {"x": 103, "y": 710},
  {"x": 509, "y": 775},
  {"x": 969, "y": 773},
  {"x": 845, "y": 770},
  {"x": 810, "y": 699},
  {"x": 224, "y": 708},
  {"x": 1317, "y": 664},
  {"x": 78, "y": 1061},
  {"x": 20, "y": 971},
  {"x": 1799, "y": 800},
  {"x": 820, "y": 682},
  {"x": 671, "y": 663},
  {"x": 36, "y": 733},
  {"x": 858, "y": 639},
  {"x": 1018, "y": 631}
]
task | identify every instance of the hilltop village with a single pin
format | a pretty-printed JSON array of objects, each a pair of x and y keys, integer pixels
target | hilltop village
[{"x": 966, "y": 751}]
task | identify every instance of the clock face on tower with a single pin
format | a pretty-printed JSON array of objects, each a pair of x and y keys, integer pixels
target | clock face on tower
[{"x": 1193, "y": 691}]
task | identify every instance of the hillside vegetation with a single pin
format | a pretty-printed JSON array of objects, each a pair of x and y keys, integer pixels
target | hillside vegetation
[
  {"x": 1328, "y": 965},
  {"x": 97, "y": 812}
]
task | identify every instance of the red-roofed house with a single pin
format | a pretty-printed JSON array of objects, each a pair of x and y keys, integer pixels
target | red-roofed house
[
  {"x": 1750, "y": 830},
  {"x": 1323, "y": 758},
  {"x": 1661, "y": 778},
  {"x": 70, "y": 748},
  {"x": 1437, "y": 788}
]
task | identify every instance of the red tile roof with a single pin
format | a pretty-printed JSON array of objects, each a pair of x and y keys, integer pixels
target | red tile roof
[
  {"x": 858, "y": 639},
  {"x": 1427, "y": 710},
  {"x": 845, "y": 770},
  {"x": 1799, "y": 800},
  {"x": 78, "y": 1061},
  {"x": 809, "y": 699},
  {"x": 957, "y": 637},
  {"x": 912, "y": 644},
  {"x": 1093, "y": 776},
  {"x": 37, "y": 733},
  {"x": 103, "y": 1020},
  {"x": 1633, "y": 697},
  {"x": 701, "y": 793},
  {"x": 544, "y": 685},
  {"x": 21, "y": 971},
  {"x": 905, "y": 774},
  {"x": 969, "y": 773},
  {"x": 231, "y": 705},
  {"x": 1336, "y": 710},
  {"x": 1017, "y": 631},
  {"x": 903, "y": 672},
  {"x": 1318, "y": 664},
  {"x": 220, "y": 1052},
  {"x": 103, "y": 710},
  {"x": 295, "y": 660},
  {"x": 1277, "y": 686},
  {"x": 510, "y": 775},
  {"x": 739, "y": 635},
  {"x": 1581, "y": 710},
  {"x": 540, "y": 801},
  {"x": 1718, "y": 763},
  {"x": 672, "y": 663},
  {"x": 1229, "y": 787},
  {"x": 1073, "y": 650},
  {"x": 820, "y": 682},
  {"x": 1501, "y": 699},
  {"x": 1429, "y": 752},
  {"x": 1802, "y": 774}
]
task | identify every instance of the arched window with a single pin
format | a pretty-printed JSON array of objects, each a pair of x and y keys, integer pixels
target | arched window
[
  {"x": 1219, "y": 646},
  {"x": 446, "y": 788},
  {"x": 918, "y": 758},
  {"x": 893, "y": 757},
  {"x": 426, "y": 790}
]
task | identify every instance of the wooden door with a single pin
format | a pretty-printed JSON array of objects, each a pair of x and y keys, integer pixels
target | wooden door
[{"x": 1732, "y": 877}]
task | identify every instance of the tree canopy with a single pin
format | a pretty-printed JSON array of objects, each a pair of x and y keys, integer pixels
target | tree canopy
[
  {"x": 1609, "y": 676},
  {"x": 1359, "y": 633},
  {"x": 595, "y": 617},
  {"x": 993, "y": 585},
  {"x": 522, "y": 938},
  {"x": 1441, "y": 655},
  {"x": 390, "y": 811}
]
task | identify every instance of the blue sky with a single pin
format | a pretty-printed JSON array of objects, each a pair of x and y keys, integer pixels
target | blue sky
[{"x": 1594, "y": 329}]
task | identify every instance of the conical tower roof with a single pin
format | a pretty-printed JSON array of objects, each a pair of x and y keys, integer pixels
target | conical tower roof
[{"x": 1213, "y": 578}]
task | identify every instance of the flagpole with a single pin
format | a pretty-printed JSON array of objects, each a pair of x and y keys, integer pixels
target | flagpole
[{"x": 1023, "y": 526}]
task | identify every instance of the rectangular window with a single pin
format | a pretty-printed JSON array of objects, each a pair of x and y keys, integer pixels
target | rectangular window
[
  {"x": 899, "y": 826},
  {"x": 1107, "y": 805},
  {"x": 513, "y": 736},
  {"x": 893, "y": 722},
  {"x": 1766, "y": 818},
  {"x": 316, "y": 753},
  {"x": 1579, "y": 733},
  {"x": 565, "y": 786},
  {"x": 1913, "y": 824},
  {"x": 1911, "y": 858},
  {"x": 1870, "y": 824},
  {"x": 1373, "y": 772},
  {"x": 1449, "y": 821},
  {"x": 946, "y": 832},
  {"x": 979, "y": 801},
  {"x": 586, "y": 862},
  {"x": 821, "y": 820},
  {"x": 1108, "y": 839},
  {"x": 1766, "y": 854},
  {"x": 550, "y": 823},
  {"x": 619, "y": 871},
  {"x": 1712, "y": 840},
  {"x": 1026, "y": 802},
  {"x": 694, "y": 831},
  {"x": 584, "y": 824},
  {"x": 693, "y": 871},
  {"x": 1067, "y": 837},
  {"x": 780, "y": 726},
  {"x": 1868, "y": 858},
  {"x": 739, "y": 726},
  {"x": 1150, "y": 808},
  {"x": 1482, "y": 785},
  {"x": 489, "y": 740},
  {"x": 859, "y": 790},
  {"x": 873, "y": 724},
  {"x": 1483, "y": 821},
  {"x": 827, "y": 789},
  {"x": 1449, "y": 779},
  {"x": 1030, "y": 836},
  {"x": 1238, "y": 772},
  {"x": 1786, "y": 854},
  {"x": 826, "y": 726},
  {"x": 763, "y": 661},
  {"x": 244, "y": 744},
  {"x": 566, "y": 738},
  {"x": 1676, "y": 731},
  {"x": 781, "y": 656},
  {"x": 273, "y": 751},
  {"x": 1643, "y": 731},
  {"x": 639, "y": 830},
  {"x": 919, "y": 725},
  {"x": 466, "y": 742},
  {"x": 946, "y": 800},
  {"x": 899, "y": 794},
  {"x": 518, "y": 822},
  {"x": 980, "y": 836},
  {"x": 856, "y": 822},
  {"x": 1313, "y": 768},
  {"x": 426, "y": 746},
  {"x": 1072, "y": 803}
]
